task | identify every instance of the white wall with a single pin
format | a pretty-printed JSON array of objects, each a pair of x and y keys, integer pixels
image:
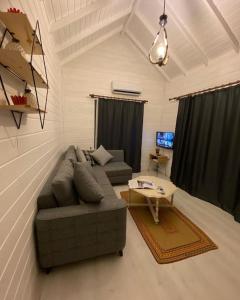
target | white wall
[
  {"x": 115, "y": 59},
  {"x": 26, "y": 157}
]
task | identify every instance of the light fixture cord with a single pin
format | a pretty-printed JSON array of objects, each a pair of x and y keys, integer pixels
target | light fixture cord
[{"x": 164, "y": 7}]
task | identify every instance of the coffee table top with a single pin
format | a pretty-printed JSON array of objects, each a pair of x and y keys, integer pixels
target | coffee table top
[{"x": 168, "y": 187}]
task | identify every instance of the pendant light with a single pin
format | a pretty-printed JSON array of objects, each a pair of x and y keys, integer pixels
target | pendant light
[{"x": 158, "y": 53}]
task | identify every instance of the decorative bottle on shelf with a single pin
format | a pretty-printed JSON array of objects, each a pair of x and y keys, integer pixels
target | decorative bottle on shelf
[
  {"x": 31, "y": 100},
  {"x": 15, "y": 45}
]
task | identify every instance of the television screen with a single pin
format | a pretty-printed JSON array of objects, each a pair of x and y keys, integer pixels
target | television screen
[{"x": 164, "y": 139}]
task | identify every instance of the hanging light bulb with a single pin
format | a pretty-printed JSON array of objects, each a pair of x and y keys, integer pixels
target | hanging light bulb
[{"x": 158, "y": 53}]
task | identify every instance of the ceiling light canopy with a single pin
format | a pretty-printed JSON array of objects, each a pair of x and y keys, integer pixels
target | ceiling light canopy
[{"x": 158, "y": 53}]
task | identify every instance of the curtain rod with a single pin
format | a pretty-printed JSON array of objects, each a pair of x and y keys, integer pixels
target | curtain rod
[
  {"x": 117, "y": 98},
  {"x": 219, "y": 87}
]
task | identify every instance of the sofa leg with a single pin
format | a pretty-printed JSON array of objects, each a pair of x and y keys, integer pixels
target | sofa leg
[
  {"x": 120, "y": 253},
  {"x": 47, "y": 270}
]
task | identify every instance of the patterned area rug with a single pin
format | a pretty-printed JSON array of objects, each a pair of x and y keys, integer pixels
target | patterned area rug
[{"x": 174, "y": 238}]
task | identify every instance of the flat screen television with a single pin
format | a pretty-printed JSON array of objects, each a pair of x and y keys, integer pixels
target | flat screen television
[{"x": 164, "y": 139}]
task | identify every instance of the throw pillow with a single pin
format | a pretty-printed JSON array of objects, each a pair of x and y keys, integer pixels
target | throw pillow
[
  {"x": 80, "y": 155},
  {"x": 88, "y": 188},
  {"x": 88, "y": 156},
  {"x": 101, "y": 155},
  {"x": 88, "y": 166},
  {"x": 62, "y": 185}
]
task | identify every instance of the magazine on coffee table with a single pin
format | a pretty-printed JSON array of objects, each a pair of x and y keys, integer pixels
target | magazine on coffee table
[{"x": 141, "y": 184}]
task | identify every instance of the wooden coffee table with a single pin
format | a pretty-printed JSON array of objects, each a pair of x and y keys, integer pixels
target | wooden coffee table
[{"x": 152, "y": 198}]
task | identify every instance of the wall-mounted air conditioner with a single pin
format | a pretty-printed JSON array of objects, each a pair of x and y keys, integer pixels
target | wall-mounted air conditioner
[{"x": 125, "y": 88}]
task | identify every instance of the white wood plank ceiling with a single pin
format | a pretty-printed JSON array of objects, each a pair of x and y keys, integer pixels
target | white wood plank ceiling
[{"x": 198, "y": 30}]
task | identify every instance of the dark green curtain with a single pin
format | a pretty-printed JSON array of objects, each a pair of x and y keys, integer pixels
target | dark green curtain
[
  {"x": 120, "y": 126},
  {"x": 206, "y": 157}
]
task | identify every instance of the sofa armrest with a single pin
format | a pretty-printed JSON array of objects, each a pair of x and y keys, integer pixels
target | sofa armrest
[
  {"x": 65, "y": 222},
  {"x": 118, "y": 155},
  {"x": 75, "y": 211},
  {"x": 67, "y": 234}
]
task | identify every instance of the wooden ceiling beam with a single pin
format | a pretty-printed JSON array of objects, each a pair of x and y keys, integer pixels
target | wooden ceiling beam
[
  {"x": 151, "y": 31},
  {"x": 186, "y": 32},
  {"x": 133, "y": 9},
  {"x": 223, "y": 22},
  {"x": 92, "y": 45},
  {"x": 80, "y": 36},
  {"x": 137, "y": 44},
  {"x": 79, "y": 14}
]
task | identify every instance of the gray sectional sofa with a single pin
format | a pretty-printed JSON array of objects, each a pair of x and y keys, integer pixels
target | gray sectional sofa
[{"x": 84, "y": 230}]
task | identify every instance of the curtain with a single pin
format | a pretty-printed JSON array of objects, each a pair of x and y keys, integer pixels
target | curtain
[
  {"x": 120, "y": 126},
  {"x": 206, "y": 157}
]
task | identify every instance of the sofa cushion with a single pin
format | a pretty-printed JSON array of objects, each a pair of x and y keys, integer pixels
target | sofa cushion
[
  {"x": 46, "y": 198},
  {"x": 101, "y": 156},
  {"x": 123, "y": 179},
  {"x": 62, "y": 185},
  {"x": 88, "y": 166},
  {"x": 108, "y": 190},
  {"x": 88, "y": 188},
  {"x": 100, "y": 175},
  {"x": 117, "y": 169},
  {"x": 80, "y": 155},
  {"x": 118, "y": 155},
  {"x": 71, "y": 154}
]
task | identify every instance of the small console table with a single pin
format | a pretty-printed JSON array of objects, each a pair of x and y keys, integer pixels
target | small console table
[{"x": 159, "y": 160}]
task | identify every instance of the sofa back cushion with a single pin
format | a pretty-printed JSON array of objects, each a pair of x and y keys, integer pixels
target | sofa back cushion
[
  {"x": 118, "y": 155},
  {"x": 86, "y": 185},
  {"x": 89, "y": 167},
  {"x": 80, "y": 155},
  {"x": 62, "y": 185},
  {"x": 46, "y": 198},
  {"x": 71, "y": 154}
]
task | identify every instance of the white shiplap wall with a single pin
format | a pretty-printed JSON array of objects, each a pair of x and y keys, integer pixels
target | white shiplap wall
[
  {"x": 26, "y": 157},
  {"x": 115, "y": 59}
]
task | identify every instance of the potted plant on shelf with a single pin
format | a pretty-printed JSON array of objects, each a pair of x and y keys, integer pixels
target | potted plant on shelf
[{"x": 19, "y": 100}]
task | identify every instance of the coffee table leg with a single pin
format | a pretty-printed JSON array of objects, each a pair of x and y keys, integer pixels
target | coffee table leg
[
  {"x": 172, "y": 199},
  {"x": 153, "y": 210},
  {"x": 129, "y": 197},
  {"x": 156, "y": 208}
]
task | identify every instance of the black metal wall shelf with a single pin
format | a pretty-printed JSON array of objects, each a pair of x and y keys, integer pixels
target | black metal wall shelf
[
  {"x": 17, "y": 64},
  {"x": 18, "y": 26},
  {"x": 22, "y": 108}
]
